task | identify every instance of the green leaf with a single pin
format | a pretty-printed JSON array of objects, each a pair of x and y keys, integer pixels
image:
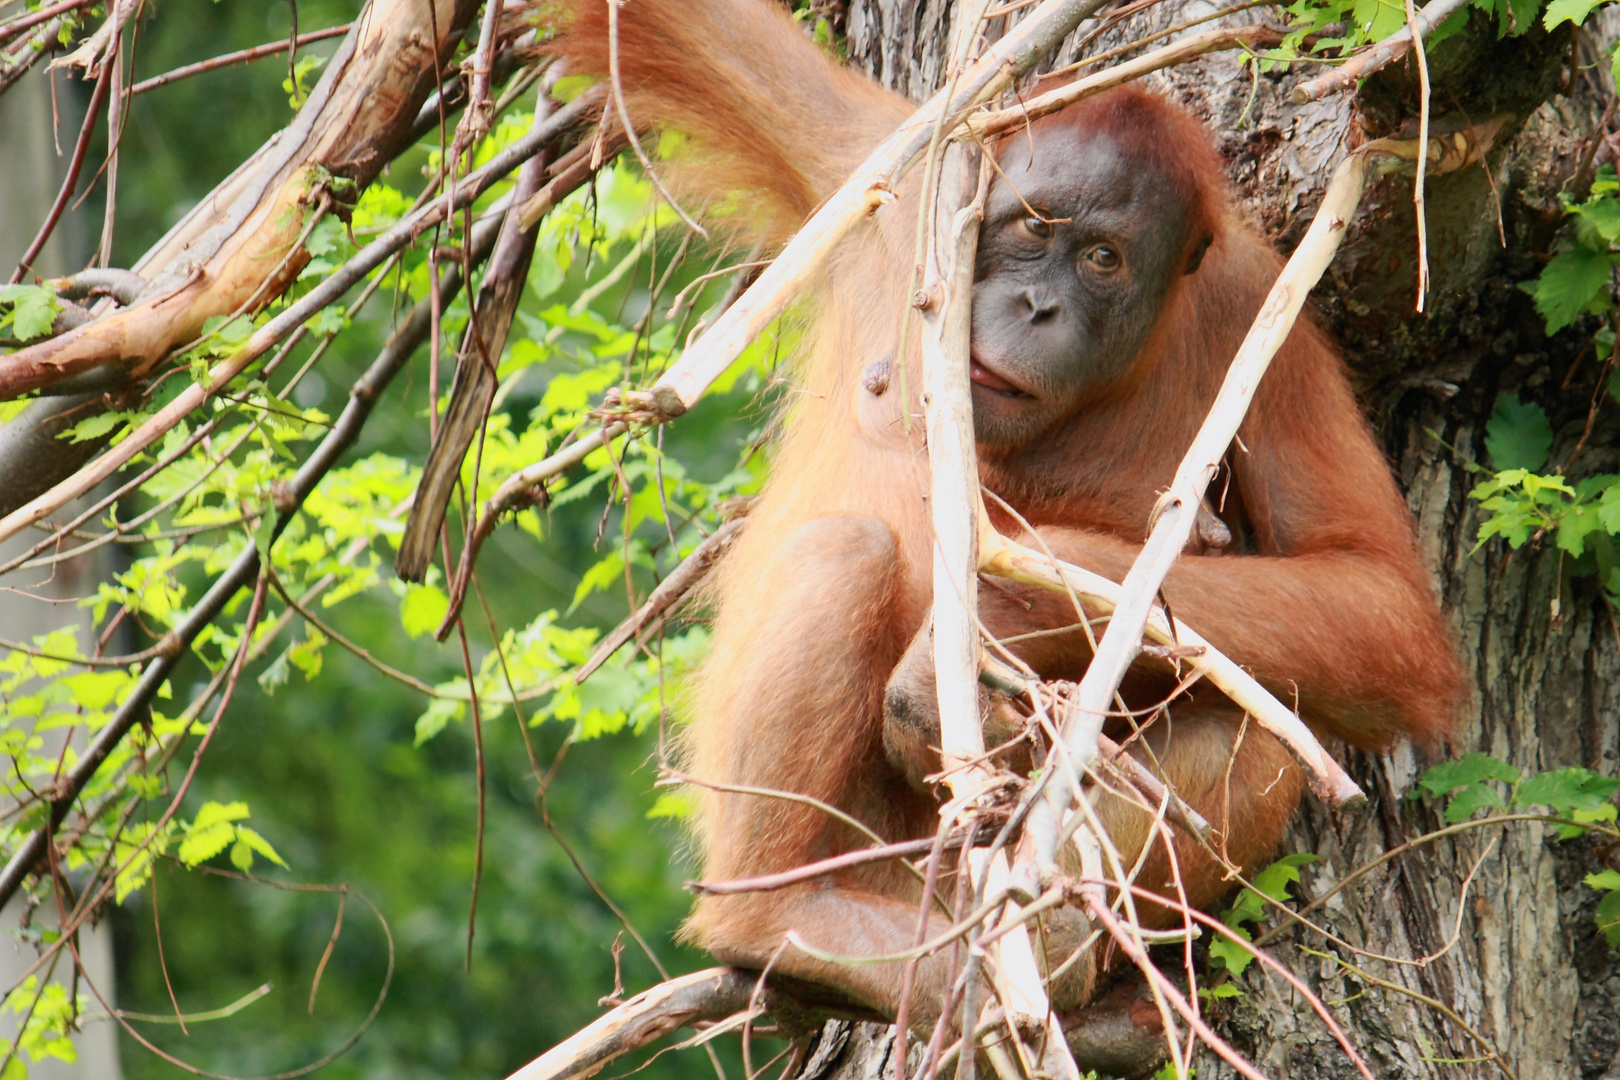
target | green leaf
[
  {"x": 1469, "y": 799},
  {"x": 440, "y": 711},
  {"x": 1448, "y": 28},
  {"x": 681, "y": 805},
  {"x": 1517, "y": 436},
  {"x": 423, "y": 609},
  {"x": 1567, "y": 789},
  {"x": 1574, "y": 11},
  {"x": 212, "y": 813},
  {"x": 203, "y": 844},
  {"x": 1275, "y": 879},
  {"x": 34, "y": 309},
  {"x": 1228, "y": 954},
  {"x": 1217, "y": 993},
  {"x": 1604, "y": 879},
  {"x": 306, "y": 654},
  {"x": 1448, "y": 776},
  {"x": 1569, "y": 283},
  {"x": 273, "y": 677},
  {"x": 255, "y": 843},
  {"x": 94, "y": 427},
  {"x": 1608, "y": 917},
  {"x": 211, "y": 831}
]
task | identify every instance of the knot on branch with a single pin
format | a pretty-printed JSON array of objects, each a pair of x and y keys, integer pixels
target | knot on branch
[
  {"x": 878, "y": 194},
  {"x": 659, "y": 405}
]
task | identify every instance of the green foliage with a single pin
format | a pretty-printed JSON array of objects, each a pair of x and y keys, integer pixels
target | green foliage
[
  {"x": 47, "y": 1016},
  {"x": 621, "y": 520},
  {"x": 1608, "y": 909},
  {"x": 1581, "y": 797},
  {"x": 32, "y": 310},
  {"x": 298, "y": 84},
  {"x": 1518, "y": 435},
  {"x": 1338, "y": 27},
  {"x": 1579, "y": 279},
  {"x": 1525, "y": 506},
  {"x": 1270, "y": 885}
]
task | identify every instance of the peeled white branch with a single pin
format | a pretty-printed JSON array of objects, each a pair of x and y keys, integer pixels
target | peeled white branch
[
  {"x": 1178, "y": 508},
  {"x": 956, "y": 510},
  {"x": 1226, "y": 37}
]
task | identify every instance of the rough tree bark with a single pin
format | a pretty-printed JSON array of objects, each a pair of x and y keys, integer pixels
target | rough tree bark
[{"x": 1529, "y": 971}]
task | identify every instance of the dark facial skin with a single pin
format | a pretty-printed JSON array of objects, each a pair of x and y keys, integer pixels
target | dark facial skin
[{"x": 1060, "y": 308}]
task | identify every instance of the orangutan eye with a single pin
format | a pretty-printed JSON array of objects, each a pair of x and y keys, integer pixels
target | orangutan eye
[
  {"x": 1035, "y": 227},
  {"x": 1103, "y": 257}
]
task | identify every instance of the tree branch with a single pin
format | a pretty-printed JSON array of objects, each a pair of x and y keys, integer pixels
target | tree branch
[
  {"x": 136, "y": 707},
  {"x": 1176, "y": 512},
  {"x": 1365, "y": 63}
]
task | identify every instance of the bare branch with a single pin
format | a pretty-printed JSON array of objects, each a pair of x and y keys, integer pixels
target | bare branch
[
  {"x": 362, "y": 399},
  {"x": 1365, "y": 63},
  {"x": 284, "y": 323},
  {"x": 1227, "y": 37},
  {"x": 670, "y": 592},
  {"x": 712, "y": 994},
  {"x": 1176, "y": 512}
]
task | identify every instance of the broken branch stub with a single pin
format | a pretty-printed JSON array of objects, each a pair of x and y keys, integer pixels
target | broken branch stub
[{"x": 711, "y": 994}]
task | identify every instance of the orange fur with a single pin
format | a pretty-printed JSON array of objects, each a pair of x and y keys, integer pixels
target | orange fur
[{"x": 831, "y": 579}]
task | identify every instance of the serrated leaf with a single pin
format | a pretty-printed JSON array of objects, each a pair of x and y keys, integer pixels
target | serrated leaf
[
  {"x": 258, "y": 844},
  {"x": 1226, "y": 953},
  {"x": 1574, "y": 11},
  {"x": 1568, "y": 284},
  {"x": 1518, "y": 435},
  {"x": 93, "y": 427},
  {"x": 203, "y": 844},
  {"x": 1604, "y": 879},
  {"x": 34, "y": 309},
  {"x": 1567, "y": 789},
  {"x": 212, "y": 813},
  {"x": 1217, "y": 993},
  {"x": 1275, "y": 879},
  {"x": 1447, "y": 776},
  {"x": 1470, "y": 799}
]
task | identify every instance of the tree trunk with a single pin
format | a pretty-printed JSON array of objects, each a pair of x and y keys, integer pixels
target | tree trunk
[{"x": 1528, "y": 970}]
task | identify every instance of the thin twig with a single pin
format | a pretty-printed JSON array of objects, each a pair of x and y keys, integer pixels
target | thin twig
[
  {"x": 1376, "y": 56},
  {"x": 284, "y": 323},
  {"x": 1422, "y": 159},
  {"x": 629, "y": 129},
  {"x": 69, "y": 182},
  {"x": 241, "y": 56}
]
